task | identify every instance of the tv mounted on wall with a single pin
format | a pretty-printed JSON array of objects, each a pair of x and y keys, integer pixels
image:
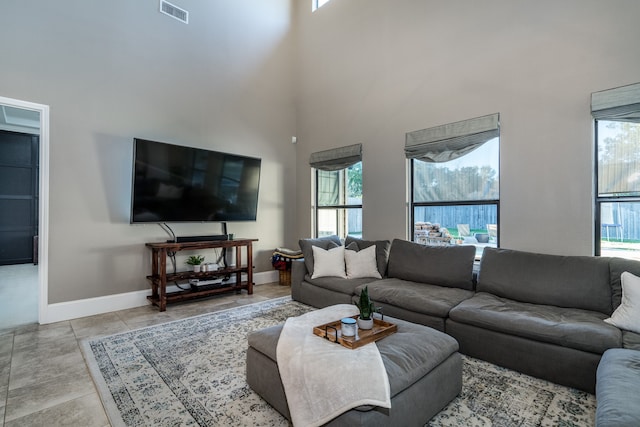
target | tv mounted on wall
[{"x": 173, "y": 183}]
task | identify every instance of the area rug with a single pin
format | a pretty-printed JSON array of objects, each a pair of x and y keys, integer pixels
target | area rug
[{"x": 191, "y": 372}]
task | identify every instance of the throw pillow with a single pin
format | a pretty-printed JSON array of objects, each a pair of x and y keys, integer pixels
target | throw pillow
[
  {"x": 627, "y": 315},
  {"x": 382, "y": 250},
  {"x": 361, "y": 263},
  {"x": 328, "y": 262},
  {"x": 323, "y": 242}
]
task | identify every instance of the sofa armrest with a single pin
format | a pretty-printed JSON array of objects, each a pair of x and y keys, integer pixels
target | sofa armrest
[{"x": 298, "y": 271}]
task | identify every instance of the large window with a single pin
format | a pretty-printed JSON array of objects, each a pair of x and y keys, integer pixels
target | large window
[
  {"x": 338, "y": 191},
  {"x": 617, "y": 195},
  {"x": 455, "y": 183},
  {"x": 339, "y": 202}
]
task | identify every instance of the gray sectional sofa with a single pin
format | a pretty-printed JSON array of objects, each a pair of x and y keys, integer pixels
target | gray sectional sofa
[{"x": 542, "y": 315}]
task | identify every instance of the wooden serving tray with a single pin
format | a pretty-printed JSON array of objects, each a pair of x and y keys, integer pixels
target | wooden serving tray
[{"x": 333, "y": 332}]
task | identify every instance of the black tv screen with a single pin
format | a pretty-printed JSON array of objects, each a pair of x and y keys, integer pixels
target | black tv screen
[{"x": 172, "y": 183}]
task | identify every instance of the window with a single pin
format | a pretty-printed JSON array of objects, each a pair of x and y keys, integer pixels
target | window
[
  {"x": 455, "y": 183},
  {"x": 339, "y": 202},
  {"x": 338, "y": 191},
  {"x": 617, "y": 195},
  {"x": 315, "y": 4}
]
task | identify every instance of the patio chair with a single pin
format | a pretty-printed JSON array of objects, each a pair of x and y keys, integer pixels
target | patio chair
[
  {"x": 464, "y": 230},
  {"x": 492, "y": 229}
]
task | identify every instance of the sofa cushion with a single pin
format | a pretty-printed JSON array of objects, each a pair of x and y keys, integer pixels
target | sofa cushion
[
  {"x": 328, "y": 262},
  {"x": 617, "y": 266},
  {"x": 573, "y": 328},
  {"x": 450, "y": 266},
  {"x": 627, "y": 315},
  {"x": 417, "y": 297},
  {"x": 361, "y": 263},
  {"x": 345, "y": 286},
  {"x": 382, "y": 251},
  {"x": 630, "y": 340},
  {"x": 306, "y": 246},
  {"x": 565, "y": 281},
  {"x": 617, "y": 389}
]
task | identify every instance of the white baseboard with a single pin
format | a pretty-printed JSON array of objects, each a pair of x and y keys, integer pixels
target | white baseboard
[{"x": 91, "y": 306}]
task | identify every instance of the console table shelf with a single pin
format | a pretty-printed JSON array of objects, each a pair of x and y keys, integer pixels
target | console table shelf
[{"x": 159, "y": 276}]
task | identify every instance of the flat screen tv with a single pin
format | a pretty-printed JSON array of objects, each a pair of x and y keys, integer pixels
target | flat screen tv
[{"x": 173, "y": 183}]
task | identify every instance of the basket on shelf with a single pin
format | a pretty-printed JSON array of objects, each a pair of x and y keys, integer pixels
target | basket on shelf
[{"x": 281, "y": 261}]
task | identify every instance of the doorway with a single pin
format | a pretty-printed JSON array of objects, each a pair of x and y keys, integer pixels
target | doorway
[
  {"x": 18, "y": 195},
  {"x": 23, "y": 212}
]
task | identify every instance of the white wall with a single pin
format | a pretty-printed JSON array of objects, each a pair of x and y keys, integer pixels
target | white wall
[
  {"x": 118, "y": 69},
  {"x": 371, "y": 70}
]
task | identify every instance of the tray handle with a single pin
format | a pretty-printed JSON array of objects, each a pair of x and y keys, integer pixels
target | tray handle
[{"x": 326, "y": 333}]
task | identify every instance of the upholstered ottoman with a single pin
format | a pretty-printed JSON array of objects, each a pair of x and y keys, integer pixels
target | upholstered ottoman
[
  {"x": 617, "y": 388},
  {"x": 423, "y": 366}
]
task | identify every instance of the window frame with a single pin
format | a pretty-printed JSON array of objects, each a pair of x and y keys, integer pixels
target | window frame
[
  {"x": 315, "y": 4},
  {"x": 328, "y": 207},
  {"x": 598, "y": 200},
  {"x": 413, "y": 205}
]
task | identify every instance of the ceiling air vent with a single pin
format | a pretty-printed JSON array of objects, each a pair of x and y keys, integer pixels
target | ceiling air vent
[{"x": 174, "y": 11}]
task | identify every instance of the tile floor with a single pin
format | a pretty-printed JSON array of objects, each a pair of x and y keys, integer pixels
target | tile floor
[{"x": 43, "y": 378}]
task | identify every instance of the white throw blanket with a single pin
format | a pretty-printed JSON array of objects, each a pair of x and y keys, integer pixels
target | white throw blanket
[{"x": 322, "y": 379}]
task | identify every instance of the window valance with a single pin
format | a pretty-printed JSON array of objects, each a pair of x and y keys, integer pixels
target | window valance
[
  {"x": 453, "y": 140},
  {"x": 336, "y": 158},
  {"x": 620, "y": 104}
]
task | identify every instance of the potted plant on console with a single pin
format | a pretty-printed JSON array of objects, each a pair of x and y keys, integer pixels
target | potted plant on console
[
  {"x": 195, "y": 261},
  {"x": 366, "y": 307}
]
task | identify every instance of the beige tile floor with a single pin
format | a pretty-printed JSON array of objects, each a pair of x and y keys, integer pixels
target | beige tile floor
[{"x": 44, "y": 380}]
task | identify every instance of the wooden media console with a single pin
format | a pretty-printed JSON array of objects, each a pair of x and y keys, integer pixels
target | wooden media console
[{"x": 159, "y": 276}]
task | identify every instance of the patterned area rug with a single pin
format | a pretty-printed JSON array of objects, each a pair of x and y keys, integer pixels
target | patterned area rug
[{"x": 191, "y": 372}]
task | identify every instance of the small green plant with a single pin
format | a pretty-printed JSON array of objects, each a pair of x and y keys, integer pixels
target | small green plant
[
  {"x": 195, "y": 260},
  {"x": 366, "y": 306}
]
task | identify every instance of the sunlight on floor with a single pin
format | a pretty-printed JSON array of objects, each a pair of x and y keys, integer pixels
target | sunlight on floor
[{"x": 18, "y": 295}]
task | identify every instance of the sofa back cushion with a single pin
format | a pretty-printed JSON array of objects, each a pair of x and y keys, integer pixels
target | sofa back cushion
[
  {"x": 563, "y": 281},
  {"x": 382, "y": 251},
  {"x": 617, "y": 266},
  {"x": 306, "y": 246},
  {"x": 450, "y": 266}
]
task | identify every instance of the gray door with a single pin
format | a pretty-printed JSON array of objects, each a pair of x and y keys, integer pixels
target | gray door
[{"x": 18, "y": 197}]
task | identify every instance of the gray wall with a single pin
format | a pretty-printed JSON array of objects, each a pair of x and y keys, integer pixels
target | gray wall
[
  {"x": 372, "y": 70},
  {"x": 114, "y": 70},
  {"x": 238, "y": 78}
]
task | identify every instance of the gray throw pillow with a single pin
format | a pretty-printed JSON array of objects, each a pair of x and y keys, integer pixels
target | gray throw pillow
[
  {"x": 306, "y": 246},
  {"x": 382, "y": 251}
]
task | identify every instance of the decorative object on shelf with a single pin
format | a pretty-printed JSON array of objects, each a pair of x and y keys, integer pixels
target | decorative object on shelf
[
  {"x": 366, "y": 307},
  {"x": 195, "y": 261},
  {"x": 211, "y": 266}
]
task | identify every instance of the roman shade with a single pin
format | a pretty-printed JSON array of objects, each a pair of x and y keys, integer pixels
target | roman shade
[
  {"x": 336, "y": 158},
  {"x": 453, "y": 140},
  {"x": 621, "y": 104}
]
